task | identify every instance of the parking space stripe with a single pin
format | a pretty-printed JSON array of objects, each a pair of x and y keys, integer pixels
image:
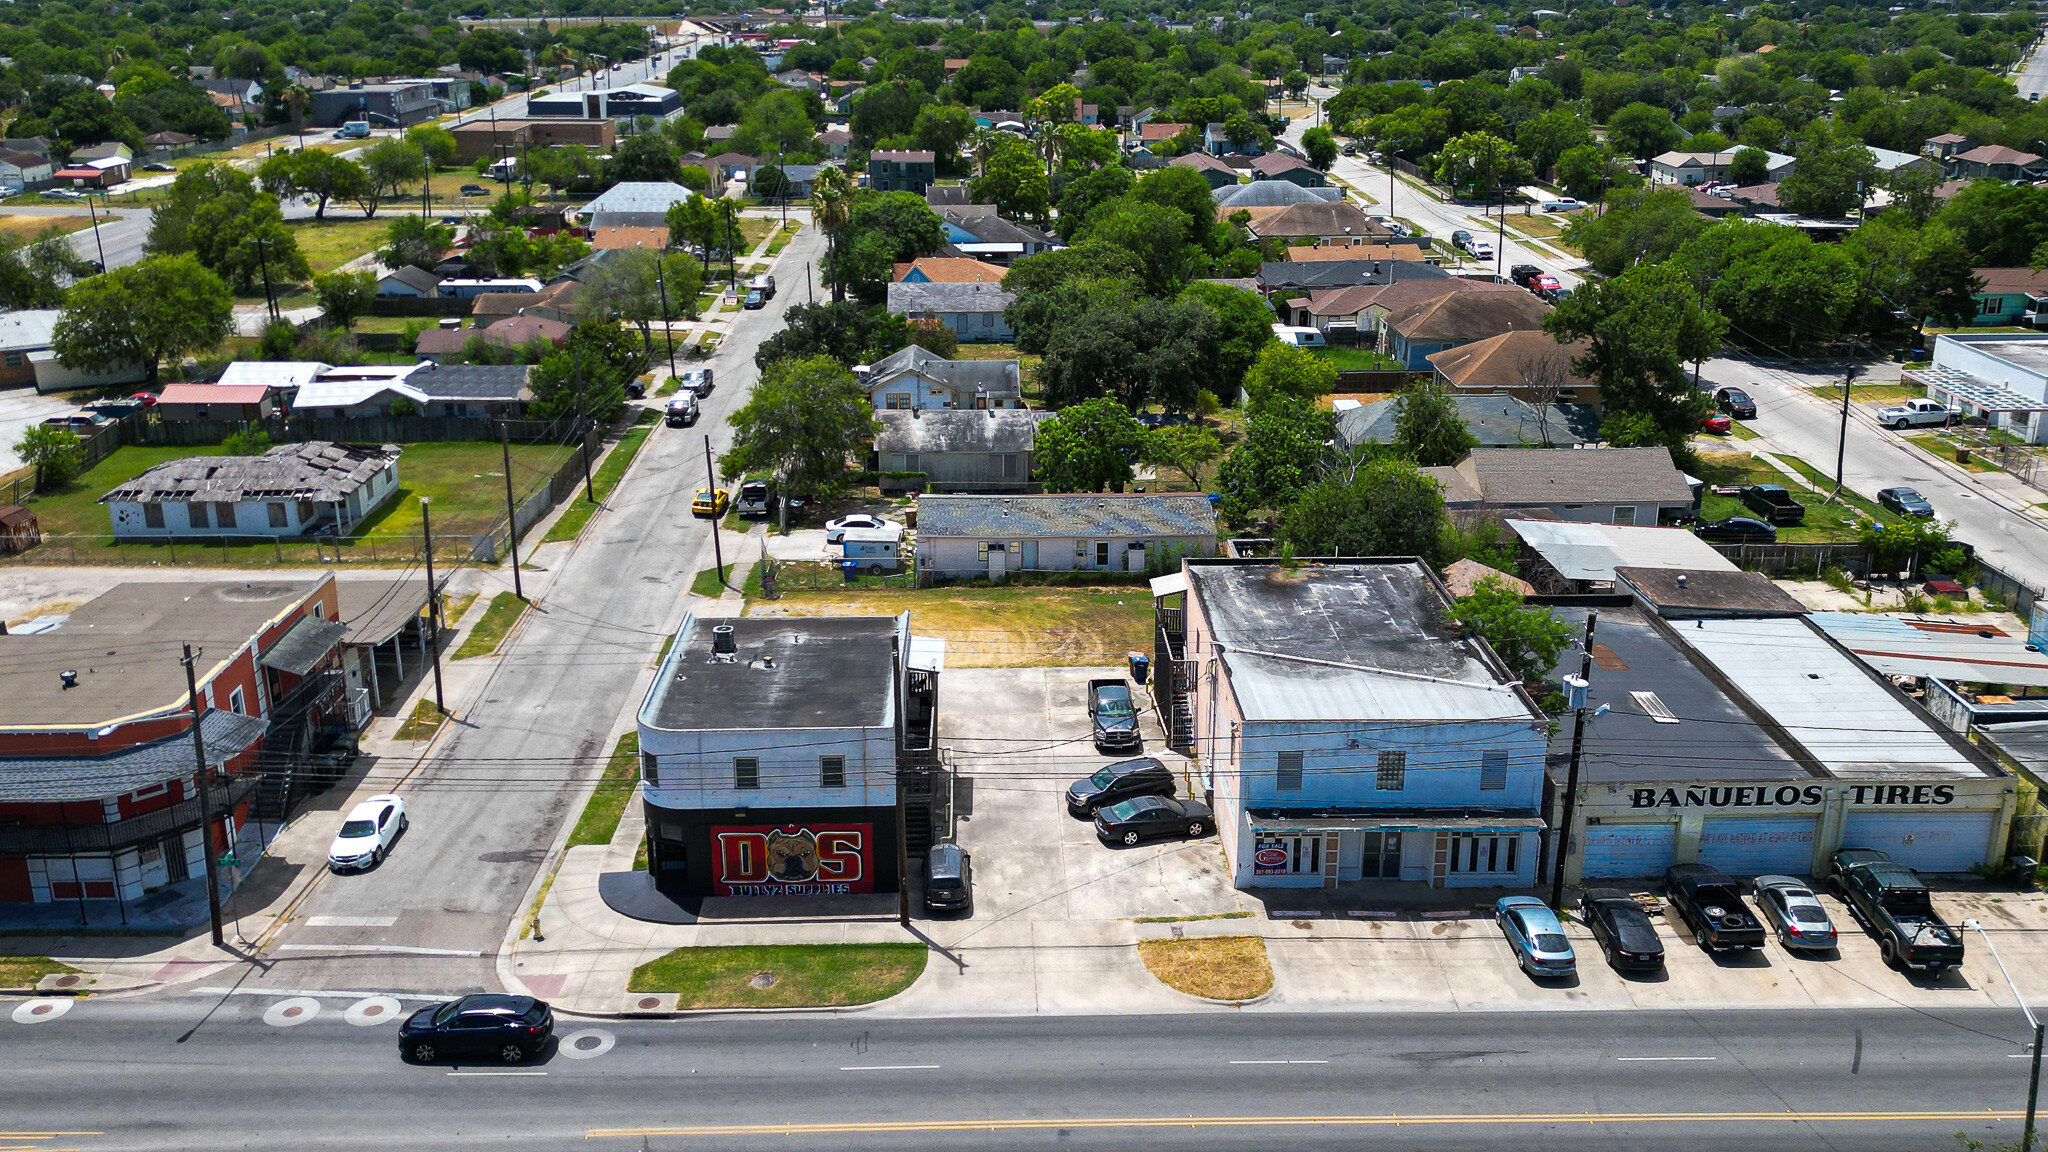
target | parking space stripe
[
  {"x": 889, "y": 1068},
  {"x": 1663, "y": 1059}
]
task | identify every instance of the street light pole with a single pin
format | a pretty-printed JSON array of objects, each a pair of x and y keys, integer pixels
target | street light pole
[{"x": 2040, "y": 1034}]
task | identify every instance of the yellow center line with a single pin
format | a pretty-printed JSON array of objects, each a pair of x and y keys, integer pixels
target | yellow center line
[{"x": 1390, "y": 1119}]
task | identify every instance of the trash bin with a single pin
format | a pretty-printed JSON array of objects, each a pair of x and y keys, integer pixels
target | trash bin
[
  {"x": 2023, "y": 869},
  {"x": 850, "y": 569},
  {"x": 1141, "y": 666}
]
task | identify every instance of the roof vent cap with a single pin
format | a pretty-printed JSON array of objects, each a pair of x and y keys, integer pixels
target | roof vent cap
[
  {"x": 1681, "y": 579},
  {"x": 69, "y": 676}
]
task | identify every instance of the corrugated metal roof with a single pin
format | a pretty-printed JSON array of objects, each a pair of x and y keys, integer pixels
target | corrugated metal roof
[
  {"x": 1832, "y": 707},
  {"x": 1893, "y": 645},
  {"x": 1593, "y": 551},
  {"x": 1106, "y": 516},
  {"x": 273, "y": 373},
  {"x": 303, "y": 645}
]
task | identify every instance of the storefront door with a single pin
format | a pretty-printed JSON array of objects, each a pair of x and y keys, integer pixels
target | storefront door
[{"x": 1382, "y": 856}]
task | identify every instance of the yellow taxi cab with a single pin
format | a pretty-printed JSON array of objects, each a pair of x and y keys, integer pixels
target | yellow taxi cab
[{"x": 710, "y": 502}]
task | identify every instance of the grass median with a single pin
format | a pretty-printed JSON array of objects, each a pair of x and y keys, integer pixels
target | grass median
[
  {"x": 422, "y": 724},
  {"x": 601, "y": 814},
  {"x": 609, "y": 471},
  {"x": 1212, "y": 967},
  {"x": 490, "y": 631},
  {"x": 783, "y": 975},
  {"x": 25, "y": 971}
]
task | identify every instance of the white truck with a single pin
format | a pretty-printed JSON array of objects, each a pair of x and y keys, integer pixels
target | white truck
[{"x": 1914, "y": 413}]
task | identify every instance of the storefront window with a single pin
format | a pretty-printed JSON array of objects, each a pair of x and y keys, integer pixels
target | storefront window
[{"x": 1481, "y": 852}]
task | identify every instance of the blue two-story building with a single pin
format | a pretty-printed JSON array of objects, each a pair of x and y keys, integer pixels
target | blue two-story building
[{"x": 1345, "y": 731}]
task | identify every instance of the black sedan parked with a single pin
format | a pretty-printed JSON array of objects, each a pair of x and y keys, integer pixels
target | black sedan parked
[
  {"x": 507, "y": 1028},
  {"x": 1623, "y": 929},
  {"x": 1736, "y": 530},
  {"x": 1735, "y": 402},
  {"x": 1906, "y": 502},
  {"x": 1122, "y": 780},
  {"x": 1151, "y": 818}
]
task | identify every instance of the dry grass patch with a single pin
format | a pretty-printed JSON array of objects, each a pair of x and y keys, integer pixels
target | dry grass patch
[
  {"x": 986, "y": 627},
  {"x": 1212, "y": 967},
  {"x": 422, "y": 724},
  {"x": 25, "y": 228},
  {"x": 25, "y": 971}
]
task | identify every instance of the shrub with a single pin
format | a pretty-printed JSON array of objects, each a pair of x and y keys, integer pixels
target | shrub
[{"x": 247, "y": 442}]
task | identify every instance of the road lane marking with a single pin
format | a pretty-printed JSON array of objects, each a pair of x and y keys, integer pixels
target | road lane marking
[
  {"x": 291, "y": 1013},
  {"x": 336, "y": 993},
  {"x": 889, "y": 1068},
  {"x": 874, "y": 1127},
  {"x": 506, "y": 1072},
  {"x": 384, "y": 949},
  {"x": 350, "y": 921},
  {"x": 372, "y": 1010},
  {"x": 1663, "y": 1059},
  {"x": 1279, "y": 1061},
  {"x": 573, "y": 1048},
  {"x": 43, "y": 1010}
]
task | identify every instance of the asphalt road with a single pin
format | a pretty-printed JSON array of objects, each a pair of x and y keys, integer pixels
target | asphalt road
[
  {"x": 229, "y": 1072},
  {"x": 654, "y": 68},
  {"x": 488, "y": 801},
  {"x": 2032, "y": 80}
]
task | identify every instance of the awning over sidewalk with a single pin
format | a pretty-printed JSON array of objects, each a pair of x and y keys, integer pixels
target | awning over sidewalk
[{"x": 1270, "y": 821}]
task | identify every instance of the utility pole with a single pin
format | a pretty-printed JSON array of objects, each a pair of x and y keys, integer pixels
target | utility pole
[
  {"x": 2040, "y": 1035},
  {"x": 96, "y": 228},
  {"x": 668, "y": 329},
  {"x": 1500, "y": 245},
  {"x": 433, "y": 604},
  {"x": 1575, "y": 690},
  {"x": 511, "y": 511},
  {"x": 583, "y": 417},
  {"x": 1842, "y": 441},
  {"x": 717, "y": 552},
  {"x": 190, "y": 661},
  {"x": 263, "y": 256}
]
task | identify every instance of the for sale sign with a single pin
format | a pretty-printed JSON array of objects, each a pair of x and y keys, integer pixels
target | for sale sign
[
  {"x": 792, "y": 859},
  {"x": 1270, "y": 856}
]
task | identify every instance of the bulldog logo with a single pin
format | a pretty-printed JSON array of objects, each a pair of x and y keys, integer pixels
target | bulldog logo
[{"x": 793, "y": 856}]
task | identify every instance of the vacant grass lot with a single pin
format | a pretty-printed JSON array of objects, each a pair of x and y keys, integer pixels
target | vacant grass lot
[
  {"x": 600, "y": 819},
  {"x": 1213, "y": 967},
  {"x": 782, "y": 975},
  {"x": 1826, "y": 523},
  {"x": 328, "y": 244},
  {"x": 985, "y": 627},
  {"x": 20, "y": 229}
]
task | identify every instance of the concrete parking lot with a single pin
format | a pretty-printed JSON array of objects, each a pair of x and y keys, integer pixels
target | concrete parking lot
[{"x": 21, "y": 408}]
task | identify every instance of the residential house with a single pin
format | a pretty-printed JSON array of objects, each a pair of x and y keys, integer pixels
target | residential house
[
  {"x": 1208, "y": 167},
  {"x": 241, "y": 99},
  {"x": 1997, "y": 162},
  {"x": 985, "y": 449},
  {"x": 470, "y": 289},
  {"x": 512, "y": 332},
  {"x": 985, "y": 235},
  {"x": 1322, "y": 221},
  {"x": 1889, "y": 161},
  {"x": 388, "y": 103},
  {"x": 1269, "y": 194},
  {"x": 798, "y": 79},
  {"x": 973, "y": 311},
  {"x": 1280, "y": 166},
  {"x": 1576, "y": 557},
  {"x": 1496, "y": 421},
  {"x": 99, "y": 791},
  {"x": 409, "y": 283},
  {"x": 216, "y": 402},
  {"x": 797, "y": 182},
  {"x": 554, "y": 301},
  {"x": 834, "y": 142},
  {"x": 1153, "y": 132},
  {"x": 968, "y": 536},
  {"x": 1089, "y": 115},
  {"x": 625, "y": 102},
  {"x": 1412, "y": 334},
  {"x": 911, "y": 377},
  {"x": 634, "y": 204},
  {"x": 1349, "y": 251},
  {"x": 291, "y": 490},
  {"x": 1347, "y": 729},
  {"x": 1716, "y": 206},
  {"x": 502, "y": 138},
  {"x": 1277, "y": 277},
  {"x": 34, "y": 145},
  {"x": 1626, "y": 486},
  {"x": 2011, "y": 296},
  {"x": 96, "y": 166},
  {"x": 901, "y": 171},
  {"x": 1946, "y": 147},
  {"x": 1690, "y": 168},
  {"x": 26, "y": 356},
  {"x": 24, "y": 170},
  {"x": 1527, "y": 364},
  {"x": 627, "y": 238},
  {"x": 772, "y": 751},
  {"x": 286, "y": 377},
  {"x": 471, "y": 391},
  {"x": 1359, "y": 309},
  {"x": 949, "y": 270},
  {"x": 943, "y": 196}
]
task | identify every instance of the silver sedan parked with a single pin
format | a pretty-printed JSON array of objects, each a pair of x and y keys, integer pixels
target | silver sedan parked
[{"x": 1794, "y": 913}]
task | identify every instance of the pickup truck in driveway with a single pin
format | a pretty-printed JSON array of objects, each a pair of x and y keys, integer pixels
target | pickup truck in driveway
[
  {"x": 1913, "y": 414},
  {"x": 1893, "y": 904},
  {"x": 1710, "y": 904},
  {"x": 1773, "y": 504},
  {"x": 1113, "y": 715}
]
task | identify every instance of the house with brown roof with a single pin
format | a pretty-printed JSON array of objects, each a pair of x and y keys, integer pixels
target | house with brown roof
[
  {"x": 1944, "y": 147},
  {"x": 1413, "y": 333},
  {"x": 1527, "y": 365},
  {"x": 2010, "y": 296},
  {"x": 630, "y": 236},
  {"x": 555, "y": 302},
  {"x": 1215, "y": 171},
  {"x": 1997, "y": 162},
  {"x": 948, "y": 270},
  {"x": 1159, "y": 132},
  {"x": 1318, "y": 220},
  {"x": 1362, "y": 307},
  {"x": 517, "y": 332},
  {"x": 216, "y": 402},
  {"x": 1628, "y": 486},
  {"x": 1280, "y": 166},
  {"x": 834, "y": 142}
]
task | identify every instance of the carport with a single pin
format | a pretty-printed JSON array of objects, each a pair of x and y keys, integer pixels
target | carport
[{"x": 383, "y": 616}]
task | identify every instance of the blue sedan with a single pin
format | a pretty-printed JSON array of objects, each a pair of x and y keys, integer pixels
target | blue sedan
[{"x": 1536, "y": 936}]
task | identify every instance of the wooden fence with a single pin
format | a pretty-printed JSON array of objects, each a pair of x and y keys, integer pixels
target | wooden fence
[
  {"x": 93, "y": 448},
  {"x": 1777, "y": 559},
  {"x": 351, "y": 430},
  {"x": 419, "y": 306}
]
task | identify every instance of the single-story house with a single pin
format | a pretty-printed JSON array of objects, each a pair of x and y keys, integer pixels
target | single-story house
[
  {"x": 943, "y": 196},
  {"x": 1290, "y": 277},
  {"x": 1412, "y": 334},
  {"x": 967, "y": 449},
  {"x": 1688, "y": 168},
  {"x": 1496, "y": 421},
  {"x": 912, "y": 377},
  {"x": 1321, "y": 220},
  {"x": 557, "y": 301},
  {"x": 629, "y": 237},
  {"x": 1526, "y": 364},
  {"x": 1626, "y": 486},
  {"x": 216, "y": 402},
  {"x": 961, "y": 536},
  {"x": 291, "y": 490},
  {"x": 25, "y": 170},
  {"x": 834, "y": 142},
  {"x": 1281, "y": 166},
  {"x": 635, "y": 203},
  {"x": 470, "y": 289},
  {"x": 2010, "y": 296},
  {"x": 985, "y": 235},
  {"x": 409, "y": 283},
  {"x": 517, "y": 332},
  {"x": 480, "y": 391},
  {"x": 1216, "y": 172},
  {"x": 973, "y": 311},
  {"x": 26, "y": 356},
  {"x": 1360, "y": 307},
  {"x": 949, "y": 270},
  {"x": 1269, "y": 194},
  {"x": 287, "y": 376},
  {"x": 1997, "y": 162}
]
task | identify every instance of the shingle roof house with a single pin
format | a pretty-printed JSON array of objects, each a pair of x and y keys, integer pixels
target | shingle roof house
[
  {"x": 1497, "y": 421},
  {"x": 1419, "y": 330},
  {"x": 288, "y": 491},
  {"x": 642, "y": 204},
  {"x": 973, "y": 449},
  {"x": 1629, "y": 486},
  {"x": 915, "y": 378},
  {"x": 966, "y": 536},
  {"x": 973, "y": 311}
]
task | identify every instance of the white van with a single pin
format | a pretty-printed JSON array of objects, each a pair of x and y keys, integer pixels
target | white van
[{"x": 1299, "y": 337}]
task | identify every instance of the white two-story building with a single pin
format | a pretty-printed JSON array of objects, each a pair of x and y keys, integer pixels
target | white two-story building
[
  {"x": 1346, "y": 732},
  {"x": 770, "y": 752}
]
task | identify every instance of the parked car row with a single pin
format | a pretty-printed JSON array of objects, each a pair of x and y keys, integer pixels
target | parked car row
[
  {"x": 1886, "y": 898},
  {"x": 1545, "y": 286}
]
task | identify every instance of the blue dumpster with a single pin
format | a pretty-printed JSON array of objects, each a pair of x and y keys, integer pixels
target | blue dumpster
[{"x": 1141, "y": 666}]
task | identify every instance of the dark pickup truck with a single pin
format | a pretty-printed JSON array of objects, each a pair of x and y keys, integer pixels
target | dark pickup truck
[
  {"x": 1113, "y": 715},
  {"x": 1773, "y": 504},
  {"x": 1894, "y": 906},
  {"x": 1712, "y": 906}
]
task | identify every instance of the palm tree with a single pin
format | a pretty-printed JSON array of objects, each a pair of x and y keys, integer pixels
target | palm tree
[
  {"x": 831, "y": 201},
  {"x": 296, "y": 96},
  {"x": 984, "y": 143}
]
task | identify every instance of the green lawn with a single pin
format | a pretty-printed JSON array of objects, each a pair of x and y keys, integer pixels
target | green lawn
[
  {"x": 504, "y": 612},
  {"x": 1825, "y": 521},
  {"x": 1358, "y": 360},
  {"x": 423, "y": 723},
  {"x": 600, "y": 819},
  {"x": 989, "y": 627},
  {"x": 794, "y": 975},
  {"x": 1871, "y": 393},
  {"x": 328, "y": 244},
  {"x": 25, "y": 971},
  {"x": 602, "y": 481},
  {"x": 707, "y": 585},
  {"x": 75, "y": 511}
]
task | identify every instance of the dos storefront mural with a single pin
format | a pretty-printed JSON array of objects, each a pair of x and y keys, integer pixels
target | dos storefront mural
[{"x": 793, "y": 860}]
